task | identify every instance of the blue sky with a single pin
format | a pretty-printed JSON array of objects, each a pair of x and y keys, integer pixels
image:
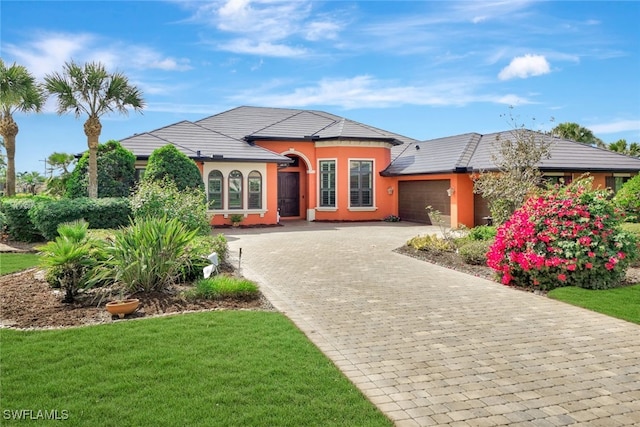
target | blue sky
[{"x": 424, "y": 69}]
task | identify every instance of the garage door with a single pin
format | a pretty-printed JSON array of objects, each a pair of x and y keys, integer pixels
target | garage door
[{"x": 415, "y": 196}]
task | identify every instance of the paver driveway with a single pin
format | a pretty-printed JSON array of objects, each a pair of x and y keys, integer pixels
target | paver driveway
[{"x": 431, "y": 346}]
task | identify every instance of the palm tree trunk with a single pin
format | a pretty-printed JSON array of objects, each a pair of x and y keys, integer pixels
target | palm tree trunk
[
  {"x": 92, "y": 128},
  {"x": 9, "y": 130}
]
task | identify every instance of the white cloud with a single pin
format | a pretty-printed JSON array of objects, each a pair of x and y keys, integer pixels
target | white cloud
[
  {"x": 365, "y": 91},
  {"x": 616, "y": 126},
  {"x": 322, "y": 30},
  {"x": 266, "y": 27},
  {"x": 261, "y": 48},
  {"x": 512, "y": 99},
  {"x": 525, "y": 66},
  {"x": 47, "y": 52}
]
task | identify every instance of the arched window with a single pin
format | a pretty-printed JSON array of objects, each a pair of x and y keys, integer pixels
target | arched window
[
  {"x": 255, "y": 190},
  {"x": 215, "y": 193},
  {"x": 235, "y": 189}
]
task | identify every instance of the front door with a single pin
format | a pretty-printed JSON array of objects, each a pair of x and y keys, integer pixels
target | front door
[{"x": 289, "y": 193}]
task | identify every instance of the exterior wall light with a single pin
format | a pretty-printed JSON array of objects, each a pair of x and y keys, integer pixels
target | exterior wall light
[
  {"x": 390, "y": 190},
  {"x": 450, "y": 191}
]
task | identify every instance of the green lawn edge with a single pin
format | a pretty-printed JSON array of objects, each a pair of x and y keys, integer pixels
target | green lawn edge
[
  {"x": 11, "y": 262},
  {"x": 235, "y": 368},
  {"x": 622, "y": 303}
]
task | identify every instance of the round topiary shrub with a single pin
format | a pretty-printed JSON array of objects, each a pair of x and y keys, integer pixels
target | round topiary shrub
[
  {"x": 168, "y": 162},
  {"x": 567, "y": 236},
  {"x": 116, "y": 172}
]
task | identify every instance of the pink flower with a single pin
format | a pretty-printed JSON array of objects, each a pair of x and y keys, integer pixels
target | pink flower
[
  {"x": 589, "y": 266},
  {"x": 562, "y": 277},
  {"x": 585, "y": 241},
  {"x": 571, "y": 267}
]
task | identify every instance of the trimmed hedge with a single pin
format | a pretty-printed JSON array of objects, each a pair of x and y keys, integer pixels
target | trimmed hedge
[
  {"x": 99, "y": 213},
  {"x": 19, "y": 224}
]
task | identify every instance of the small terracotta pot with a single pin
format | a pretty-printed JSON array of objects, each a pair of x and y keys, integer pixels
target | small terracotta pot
[{"x": 124, "y": 307}]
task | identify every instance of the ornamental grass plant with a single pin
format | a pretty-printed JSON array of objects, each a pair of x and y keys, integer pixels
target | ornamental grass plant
[{"x": 566, "y": 236}]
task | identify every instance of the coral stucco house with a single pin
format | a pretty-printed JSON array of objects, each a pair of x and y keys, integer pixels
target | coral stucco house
[{"x": 271, "y": 163}]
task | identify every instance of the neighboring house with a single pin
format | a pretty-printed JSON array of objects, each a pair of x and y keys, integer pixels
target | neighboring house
[{"x": 268, "y": 163}]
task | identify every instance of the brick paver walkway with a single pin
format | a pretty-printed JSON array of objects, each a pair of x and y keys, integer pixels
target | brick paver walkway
[{"x": 431, "y": 346}]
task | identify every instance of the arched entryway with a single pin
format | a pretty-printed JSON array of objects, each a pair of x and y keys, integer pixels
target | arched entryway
[{"x": 292, "y": 189}]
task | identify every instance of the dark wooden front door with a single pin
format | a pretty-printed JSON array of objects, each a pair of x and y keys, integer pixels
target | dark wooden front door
[{"x": 289, "y": 193}]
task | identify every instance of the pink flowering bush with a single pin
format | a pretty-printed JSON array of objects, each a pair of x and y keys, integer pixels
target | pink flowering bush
[{"x": 566, "y": 236}]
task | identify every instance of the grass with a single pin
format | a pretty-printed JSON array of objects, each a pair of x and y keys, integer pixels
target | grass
[
  {"x": 632, "y": 227},
  {"x": 623, "y": 303},
  {"x": 203, "y": 369},
  {"x": 223, "y": 286},
  {"x": 12, "y": 262}
]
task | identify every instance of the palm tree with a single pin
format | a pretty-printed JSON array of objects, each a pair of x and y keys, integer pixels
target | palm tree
[
  {"x": 620, "y": 146},
  {"x": 575, "y": 132},
  {"x": 93, "y": 91},
  {"x": 18, "y": 92}
]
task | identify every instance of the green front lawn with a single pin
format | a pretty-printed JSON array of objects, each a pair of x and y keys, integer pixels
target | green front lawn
[
  {"x": 12, "y": 262},
  {"x": 623, "y": 303},
  {"x": 205, "y": 369}
]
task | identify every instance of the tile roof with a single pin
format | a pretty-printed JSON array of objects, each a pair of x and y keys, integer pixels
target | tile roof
[
  {"x": 473, "y": 152},
  {"x": 231, "y": 132},
  {"x": 254, "y": 123},
  {"x": 189, "y": 138}
]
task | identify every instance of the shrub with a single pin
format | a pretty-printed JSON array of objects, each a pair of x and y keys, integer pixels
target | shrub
[
  {"x": 69, "y": 258},
  {"x": 99, "y": 213},
  {"x": 18, "y": 222},
  {"x": 628, "y": 199},
  {"x": 431, "y": 243},
  {"x": 116, "y": 172},
  {"x": 198, "y": 251},
  {"x": 148, "y": 255},
  {"x": 169, "y": 163},
  {"x": 475, "y": 252},
  {"x": 634, "y": 228},
  {"x": 223, "y": 287},
  {"x": 3, "y": 222},
  {"x": 391, "y": 218},
  {"x": 159, "y": 198},
  {"x": 567, "y": 236},
  {"x": 482, "y": 232}
]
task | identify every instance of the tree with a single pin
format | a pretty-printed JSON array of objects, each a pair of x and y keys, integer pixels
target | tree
[
  {"x": 93, "y": 91},
  {"x": 168, "y": 162},
  {"x": 620, "y": 146},
  {"x": 3, "y": 168},
  {"x": 29, "y": 181},
  {"x": 516, "y": 156},
  {"x": 59, "y": 162},
  {"x": 116, "y": 172},
  {"x": 575, "y": 132},
  {"x": 18, "y": 92}
]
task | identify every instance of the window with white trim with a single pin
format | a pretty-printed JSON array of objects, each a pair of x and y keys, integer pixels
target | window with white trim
[
  {"x": 235, "y": 189},
  {"x": 327, "y": 183},
  {"x": 361, "y": 183},
  {"x": 255, "y": 190},
  {"x": 214, "y": 189}
]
